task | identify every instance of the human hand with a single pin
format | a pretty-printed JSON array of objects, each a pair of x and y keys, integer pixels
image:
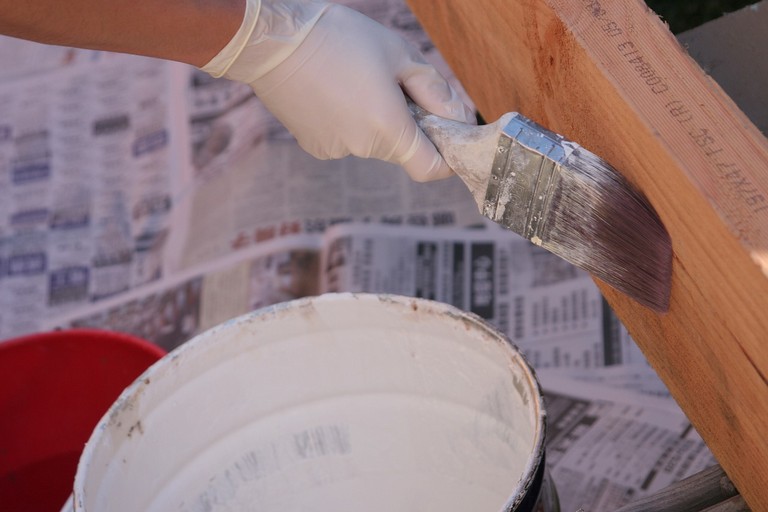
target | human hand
[{"x": 336, "y": 80}]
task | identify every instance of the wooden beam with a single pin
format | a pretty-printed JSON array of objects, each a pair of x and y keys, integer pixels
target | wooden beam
[{"x": 609, "y": 75}]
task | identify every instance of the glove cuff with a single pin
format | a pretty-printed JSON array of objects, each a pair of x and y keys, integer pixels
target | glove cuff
[
  {"x": 271, "y": 31},
  {"x": 221, "y": 63}
]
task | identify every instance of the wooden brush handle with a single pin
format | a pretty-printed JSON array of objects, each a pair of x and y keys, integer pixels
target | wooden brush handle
[{"x": 468, "y": 149}]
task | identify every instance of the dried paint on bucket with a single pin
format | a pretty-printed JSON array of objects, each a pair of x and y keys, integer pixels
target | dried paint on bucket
[{"x": 341, "y": 402}]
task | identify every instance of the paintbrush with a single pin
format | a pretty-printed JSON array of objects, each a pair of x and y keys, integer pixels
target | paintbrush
[{"x": 561, "y": 197}]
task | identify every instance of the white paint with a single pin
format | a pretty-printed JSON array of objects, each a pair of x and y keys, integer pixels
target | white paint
[{"x": 341, "y": 403}]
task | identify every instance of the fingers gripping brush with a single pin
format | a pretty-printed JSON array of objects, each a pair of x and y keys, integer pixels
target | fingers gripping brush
[{"x": 561, "y": 197}]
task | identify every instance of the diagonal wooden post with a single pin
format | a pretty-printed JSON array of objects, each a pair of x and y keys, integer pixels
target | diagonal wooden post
[{"x": 609, "y": 75}]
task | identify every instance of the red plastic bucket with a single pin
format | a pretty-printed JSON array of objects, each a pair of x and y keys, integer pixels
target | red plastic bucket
[{"x": 54, "y": 388}]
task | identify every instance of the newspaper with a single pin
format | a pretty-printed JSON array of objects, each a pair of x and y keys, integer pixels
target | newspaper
[
  {"x": 143, "y": 196},
  {"x": 86, "y": 170},
  {"x": 607, "y": 447}
]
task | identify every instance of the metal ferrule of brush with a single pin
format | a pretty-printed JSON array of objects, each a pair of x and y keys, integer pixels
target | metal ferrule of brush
[{"x": 526, "y": 170}]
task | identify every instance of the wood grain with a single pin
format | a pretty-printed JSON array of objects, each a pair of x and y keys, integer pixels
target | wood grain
[{"x": 610, "y": 76}]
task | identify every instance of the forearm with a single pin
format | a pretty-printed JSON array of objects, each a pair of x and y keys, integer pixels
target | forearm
[{"x": 190, "y": 31}]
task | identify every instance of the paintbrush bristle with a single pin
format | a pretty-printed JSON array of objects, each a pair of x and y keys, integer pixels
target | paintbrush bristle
[{"x": 598, "y": 222}]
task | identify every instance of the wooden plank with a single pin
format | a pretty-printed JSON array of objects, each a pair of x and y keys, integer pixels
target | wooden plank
[{"x": 609, "y": 75}]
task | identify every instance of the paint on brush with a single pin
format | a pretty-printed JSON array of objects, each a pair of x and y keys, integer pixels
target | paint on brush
[{"x": 340, "y": 402}]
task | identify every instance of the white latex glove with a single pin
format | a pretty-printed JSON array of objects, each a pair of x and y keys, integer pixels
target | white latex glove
[{"x": 335, "y": 79}]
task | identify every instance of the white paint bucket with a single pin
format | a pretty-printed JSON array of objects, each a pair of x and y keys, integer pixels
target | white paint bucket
[{"x": 338, "y": 403}]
